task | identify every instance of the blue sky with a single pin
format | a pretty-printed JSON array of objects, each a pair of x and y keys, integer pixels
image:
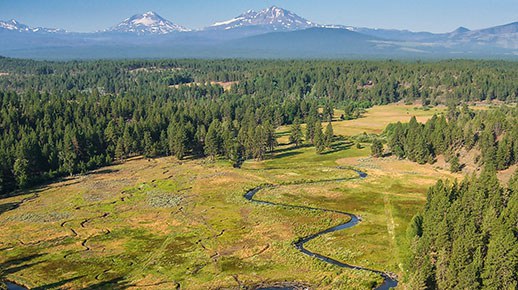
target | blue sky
[{"x": 417, "y": 15}]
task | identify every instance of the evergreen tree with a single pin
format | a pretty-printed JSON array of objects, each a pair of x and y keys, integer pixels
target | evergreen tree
[
  {"x": 296, "y": 134},
  {"x": 397, "y": 140},
  {"x": 149, "y": 148},
  {"x": 377, "y": 148},
  {"x": 67, "y": 155},
  {"x": 21, "y": 172},
  {"x": 328, "y": 135},
  {"x": 310, "y": 130},
  {"x": 454, "y": 164},
  {"x": 120, "y": 152},
  {"x": 319, "y": 138},
  {"x": 178, "y": 140},
  {"x": 271, "y": 141},
  {"x": 504, "y": 153},
  {"x": 328, "y": 112},
  {"x": 128, "y": 142},
  {"x": 213, "y": 140}
]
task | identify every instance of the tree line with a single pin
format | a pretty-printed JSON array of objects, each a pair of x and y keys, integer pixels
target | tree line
[
  {"x": 467, "y": 235},
  {"x": 493, "y": 133},
  {"x": 61, "y": 118}
]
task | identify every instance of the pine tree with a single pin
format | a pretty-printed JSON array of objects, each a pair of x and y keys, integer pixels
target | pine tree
[
  {"x": 377, "y": 148},
  {"x": 454, "y": 164},
  {"x": 260, "y": 142},
  {"x": 397, "y": 140},
  {"x": 328, "y": 135},
  {"x": 328, "y": 112},
  {"x": 213, "y": 140},
  {"x": 228, "y": 139},
  {"x": 310, "y": 130},
  {"x": 149, "y": 150},
  {"x": 199, "y": 140},
  {"x": 120, "y": 150},
  {"x": 67, "y": 155},
  {"x": 501, "y": 261},
  {"x": 296, "y": 134},
  {"x": 319, "y": 138},
  {"x": 236, "y": 155},
  {"x": 128, "y": 142},
  {"x": 21, "y": 172},
  {"x": 270, "y": 132},
  {"x": 178, "y": 140},
  {"x": 504, "y": 153}
]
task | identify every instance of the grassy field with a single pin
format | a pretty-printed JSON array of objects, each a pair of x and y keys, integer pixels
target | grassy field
[{"x": 163, "y": 223}]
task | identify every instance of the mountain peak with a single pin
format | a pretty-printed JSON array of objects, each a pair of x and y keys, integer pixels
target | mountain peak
[
  {"x": 461, "y": 29},
  {"x": 147, "y": 23},
  {"x": 272, "y": 18},
  {"x": 15, "y": 25}
]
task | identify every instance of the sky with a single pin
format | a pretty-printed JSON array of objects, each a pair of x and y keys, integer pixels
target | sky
[{"x": 415, "y": 15}]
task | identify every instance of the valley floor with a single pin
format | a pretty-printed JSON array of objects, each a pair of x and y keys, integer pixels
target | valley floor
[{"x": 163, "y": 223}]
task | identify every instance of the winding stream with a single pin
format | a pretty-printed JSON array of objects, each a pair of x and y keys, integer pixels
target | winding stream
[
  {"x": 389, "y": 280},
  {"x": 12, "y": 286}
]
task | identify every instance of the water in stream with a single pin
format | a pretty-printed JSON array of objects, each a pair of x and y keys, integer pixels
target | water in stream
[{"x": 388, "y": 280}]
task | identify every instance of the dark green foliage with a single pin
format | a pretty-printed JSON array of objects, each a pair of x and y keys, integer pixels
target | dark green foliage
[
  {"x": 377, "y": 148},
  {"x": 319, "y": 140},
  {"x": 455, "y": 166},
  {"x": 213, "y": 141},
  {"x": 328, "y": 112},
  {"x": 415, "y": 228},
  {"x": 469, "y": 238},
  {"x": 69, "y": 117},
  {"x": 296, "y": 134},
  {"x": 21, "y": 171},
  {"x": 328, "y": 135},
  {"x": 422, "y": 143}
]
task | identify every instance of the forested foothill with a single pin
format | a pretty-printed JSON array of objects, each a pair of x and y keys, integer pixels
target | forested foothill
[{"x": 61, "y": 118}]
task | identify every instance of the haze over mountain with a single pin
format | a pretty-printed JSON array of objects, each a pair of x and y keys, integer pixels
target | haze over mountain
[{"x": 271, "y": 32}]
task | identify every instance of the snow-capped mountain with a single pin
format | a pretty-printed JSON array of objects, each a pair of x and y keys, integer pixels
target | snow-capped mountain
[
  {"x": 13, "y": 25},
  {"x": 273, "y": 18},
  {"x": 147, "y": 23}
]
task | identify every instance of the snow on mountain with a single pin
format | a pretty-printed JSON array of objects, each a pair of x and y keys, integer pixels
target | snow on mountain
[
  {"x": 147, "y": 23},
  {"x": 274, "y": 18},
  {"x": 13, "y": 25}
]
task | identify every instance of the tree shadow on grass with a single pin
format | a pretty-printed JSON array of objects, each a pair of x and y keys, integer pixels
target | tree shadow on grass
[
  {"x": 291, "y": 148},
  {"x": 102, "y": 171},
  {"x": 8, "y": 206},
  {"x": 57, "y": 284},
  {"x": 114, "y": 284},
  {"x": 17, "y": 264},
  {"x": 286, "y": 154},
  {"x": 338, "y": 146}
]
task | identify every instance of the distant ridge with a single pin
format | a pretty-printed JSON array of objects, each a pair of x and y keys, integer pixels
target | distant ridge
[{"x": 271, "y": 32}]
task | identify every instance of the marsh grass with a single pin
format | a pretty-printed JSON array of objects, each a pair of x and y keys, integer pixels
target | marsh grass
[{"x": 161, "y": 222}]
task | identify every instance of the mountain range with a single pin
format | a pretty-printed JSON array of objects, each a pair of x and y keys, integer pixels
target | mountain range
[{"x": 271, "y": 32}]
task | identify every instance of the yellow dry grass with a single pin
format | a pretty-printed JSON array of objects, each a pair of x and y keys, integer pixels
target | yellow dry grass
[{"x": 378, "y": 117}]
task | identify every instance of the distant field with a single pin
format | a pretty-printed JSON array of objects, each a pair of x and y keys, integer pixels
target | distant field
[
  {"x": 226, "y": 85},
  {"x": 378, "y": 117},
  {"x": 161, "y": 223},
  {"x": 373, "y": 121}
]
